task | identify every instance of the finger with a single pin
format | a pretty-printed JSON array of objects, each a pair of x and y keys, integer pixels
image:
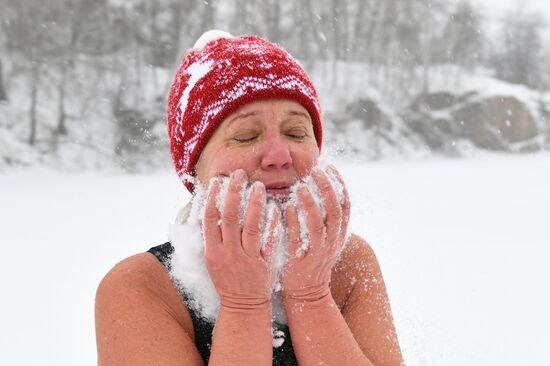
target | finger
[
  {"x": 332, "y": 206},
  {"x": 314, "y": 220},
  {"x": 231, "y": 214},
  {"x": 269, "y": 250},
  {"x": 211, "y": 219},
  {"x": 345, "y": 202},
  {"x": 295, "y": 248},
  {"x": 252, "y": 224}
]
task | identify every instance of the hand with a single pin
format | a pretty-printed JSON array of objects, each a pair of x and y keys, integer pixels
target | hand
[
  {"x": 242, "y": 271},
  {"x": 307, "y": 273}
]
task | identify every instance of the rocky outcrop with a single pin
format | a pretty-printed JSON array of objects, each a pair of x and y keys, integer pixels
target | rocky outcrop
[
  {"x": 446, "y": 123},
  {"x": 370, "y": 113},
  {"x": 545, "y": 109},
  {"x": 498, "y": 123},
  {"x": 437, "y": 101},
  {"x": 370, "y": 128},
  {"x": 136, "y": 141},
  {"x": 495, "y": 123}
]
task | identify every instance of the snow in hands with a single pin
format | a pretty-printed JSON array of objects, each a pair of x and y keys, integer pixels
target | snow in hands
[
  {"x": 239, "y": 240},
  {"x": 322, "y": 174}
]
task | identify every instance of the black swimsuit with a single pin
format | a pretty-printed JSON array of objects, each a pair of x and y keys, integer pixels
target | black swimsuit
[{"x": 282, "y": 356}]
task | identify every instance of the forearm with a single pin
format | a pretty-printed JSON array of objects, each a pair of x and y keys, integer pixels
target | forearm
[
  {"x": 242, "y": 337},
  {"x": 320, "y": 334}
]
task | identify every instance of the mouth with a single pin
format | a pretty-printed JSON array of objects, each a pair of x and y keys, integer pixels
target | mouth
[{"x": 278, "y": 191}]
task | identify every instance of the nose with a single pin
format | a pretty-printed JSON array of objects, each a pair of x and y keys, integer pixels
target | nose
[{"x": 276, "y": 154}]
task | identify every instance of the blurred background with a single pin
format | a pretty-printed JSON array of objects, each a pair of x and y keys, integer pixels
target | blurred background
[
  {"x": 437, "y": 113},
  {"x": 83, "y": 84}
]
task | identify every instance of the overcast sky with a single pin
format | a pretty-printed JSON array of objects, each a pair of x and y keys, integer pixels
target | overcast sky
[
  {"x": 493, "y": 11},
  {"x": 496, "y": 8}
]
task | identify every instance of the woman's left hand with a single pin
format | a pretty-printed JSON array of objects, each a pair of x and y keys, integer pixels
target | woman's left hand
[{"x": 307, "y": 273}]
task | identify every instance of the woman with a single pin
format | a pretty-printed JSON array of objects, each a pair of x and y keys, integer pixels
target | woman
[{"x": 243, "y": 116}]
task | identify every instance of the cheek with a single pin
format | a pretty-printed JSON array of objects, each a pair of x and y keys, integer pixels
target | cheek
[
  {"x": 226, "y": 161},
  {"x": 305, "y": 159}
]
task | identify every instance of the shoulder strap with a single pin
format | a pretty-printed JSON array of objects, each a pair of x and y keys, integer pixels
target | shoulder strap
[
  {"x": 163, "y": 253},
  {"x": 283, "y": 355},
  {"x": 203, "y": 329}
]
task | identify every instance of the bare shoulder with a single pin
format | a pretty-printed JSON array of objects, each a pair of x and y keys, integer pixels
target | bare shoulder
[
  {"x": 142, "y": 279},
  {"x": 364, "y": 302},
  {"x": 356, "y": 264},
  {"x": 358, "y": 251},
  {"x": 137, "y": 271},
  {"x": 139, "y": 314}
]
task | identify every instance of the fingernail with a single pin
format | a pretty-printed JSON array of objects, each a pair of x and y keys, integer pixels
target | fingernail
[
  {"x": 258, "y": 187},
  {"x": 315, "y": 172},
  {"x": 303, "y": 188},
  {"x": 213, "y": 182},
  {"x": 291, "y": 207},
  {"x": 239, "y": 174}
]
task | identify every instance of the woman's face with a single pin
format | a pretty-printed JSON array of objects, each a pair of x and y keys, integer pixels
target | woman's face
[{"x": 272, "y": 141}]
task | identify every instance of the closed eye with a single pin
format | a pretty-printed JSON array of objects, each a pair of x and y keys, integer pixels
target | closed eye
[
  {"x": 245, "y": 138},
  {"x": 297, "y": 134}
]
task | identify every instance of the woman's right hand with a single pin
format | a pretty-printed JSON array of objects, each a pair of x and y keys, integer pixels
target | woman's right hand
[{"x": 242, "y": 272}]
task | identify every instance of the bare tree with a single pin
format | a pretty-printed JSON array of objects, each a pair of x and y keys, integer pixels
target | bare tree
[
  {"x": 245, "y": 18},
  {"x": 520, "y": 59},
  {"x": 3, "y": 94},
  {"x": 338, "y": 42},
  {"x": 208, "y": 15},
  {"x": 27, "y": 32},
  {"x": 461, "y": 41},
  {"x": 35, "y": 82},
  {"x": 359, "y": 27},
  {"x": 272, "y": 16},
  {"x": 4, "y": 19}
]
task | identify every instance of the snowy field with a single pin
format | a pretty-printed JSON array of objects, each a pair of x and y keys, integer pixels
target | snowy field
[{"x": 464, "y": 247}]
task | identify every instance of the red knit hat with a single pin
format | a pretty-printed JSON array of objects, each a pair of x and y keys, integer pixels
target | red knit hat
[{"x": 217, "y": 78}]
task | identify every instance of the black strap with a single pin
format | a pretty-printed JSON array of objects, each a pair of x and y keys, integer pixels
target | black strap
[{"x": 282, "y": 356}]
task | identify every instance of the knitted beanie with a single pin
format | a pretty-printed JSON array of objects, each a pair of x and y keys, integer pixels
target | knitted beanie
[{"x": 220, "y": 74}]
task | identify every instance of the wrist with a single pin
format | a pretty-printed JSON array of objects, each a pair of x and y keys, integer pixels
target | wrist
[
  {"x": 301, "y": 309},
  {"x": 302, "y": 296},
  {"x": 245, "y": 304}
]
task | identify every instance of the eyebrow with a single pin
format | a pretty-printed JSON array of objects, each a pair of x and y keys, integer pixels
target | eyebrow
[
  {"x": 299, "y": 113},
  {"x": 254, "y": 113},
  {"x": 241, "y": 115}
]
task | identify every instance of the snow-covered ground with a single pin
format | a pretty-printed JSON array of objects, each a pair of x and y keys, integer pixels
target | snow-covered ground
[{"x": 463, "y": 246}]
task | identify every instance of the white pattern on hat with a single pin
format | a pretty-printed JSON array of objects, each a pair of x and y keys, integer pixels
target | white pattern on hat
[
  {"x": 220, "y": 74},
  {"x": 197, "y": 70},
  {"x": 290, "y": 82}
]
